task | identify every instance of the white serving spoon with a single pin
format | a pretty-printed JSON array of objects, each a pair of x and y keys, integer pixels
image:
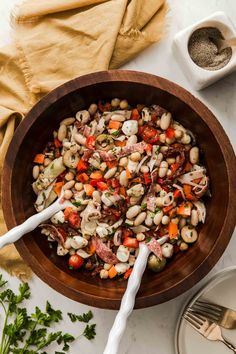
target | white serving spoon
[
  {"x": 30, "y": 224},
  {"x": 128, "y": 300}
]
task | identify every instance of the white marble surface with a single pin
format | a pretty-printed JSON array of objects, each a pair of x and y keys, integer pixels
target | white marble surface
[{"x": 151, "y": 330}]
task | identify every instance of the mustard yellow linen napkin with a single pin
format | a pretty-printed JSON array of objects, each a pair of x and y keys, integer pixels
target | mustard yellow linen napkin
[{"x": 55, "y": 41}]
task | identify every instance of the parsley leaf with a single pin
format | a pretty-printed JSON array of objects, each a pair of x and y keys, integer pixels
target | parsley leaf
[
  {"x": 85, "y": 317},
  {"x": 90, "y": 331}
]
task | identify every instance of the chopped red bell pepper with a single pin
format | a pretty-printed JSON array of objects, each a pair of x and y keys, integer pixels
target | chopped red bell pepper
[
  {"x": 57, "y": 143},
  {"x": 82, "y": 177},
  {"x": 82, "y": 166},
  {"x": 102, "y": 186},
  {"x": 127, "y": 233},
  {"x": 90, "y": 142},
  {"x": 147, "y": 178},
  {"x": 177, "y": 193},
  {"x": 74, "y": 219},
  {"x": 104, "y": 106},
  {"x": 170, "y": 133},
  {"x": 113, "y": 182},
  {"x": 131, "y": 242},
  {"x": 148, "y": 149},
  {"x": 135, "y": 114},
  {"x": 128, "y": 273}
]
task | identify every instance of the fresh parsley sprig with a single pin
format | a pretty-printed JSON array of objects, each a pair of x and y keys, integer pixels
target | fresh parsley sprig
[{"x": 29, "y": 334}]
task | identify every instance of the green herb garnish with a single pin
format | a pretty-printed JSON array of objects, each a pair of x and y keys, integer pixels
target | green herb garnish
[{"x": 77, "y": 204}]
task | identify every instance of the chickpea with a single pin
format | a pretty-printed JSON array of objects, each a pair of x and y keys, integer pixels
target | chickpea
[
  {"x": 79, "y": 186},
  {"x": 93, "y": 109},
  {"x": 140, "y": 237},
  {"x": 144, "y": 169},
  {"x": 69, "y": 176},
  {"x": 178, "y": 134},
  {"x": 162, "y": 138},
  {"x": 183, "y": 246},
  {"x": 107, "y": 266},
  {"x": 135, "y": 156},
  {"x": 124, "y": 104},
  {"x": 165, "y": 220},
  {"x": 115, "y": 102},
  {"x": 103, "y": 274},
  {"x": 68, "y": 194}
]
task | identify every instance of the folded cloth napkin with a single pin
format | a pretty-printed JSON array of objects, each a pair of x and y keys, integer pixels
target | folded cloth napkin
[{"x": 55, "y": 41}]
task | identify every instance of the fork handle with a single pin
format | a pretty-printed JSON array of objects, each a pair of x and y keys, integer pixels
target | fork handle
[{"x": 229, "y": 345}]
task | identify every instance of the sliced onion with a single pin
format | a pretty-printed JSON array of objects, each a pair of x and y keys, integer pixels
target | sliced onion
[
  {"x": 117, "y": 238},
  {"x": 180, "y": 189},
  {"x": 201, "y": 209},
  {"x": 141, "y": 163},
  {"x": 168, "y": 199}
]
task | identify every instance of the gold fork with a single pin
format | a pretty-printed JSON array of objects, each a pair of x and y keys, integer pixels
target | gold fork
[
  {"x": 223, "y": 316},
  {"x": 206, "y": 328}
]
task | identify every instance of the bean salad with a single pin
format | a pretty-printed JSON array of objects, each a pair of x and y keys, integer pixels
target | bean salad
[{"x": 133, "y": 174}]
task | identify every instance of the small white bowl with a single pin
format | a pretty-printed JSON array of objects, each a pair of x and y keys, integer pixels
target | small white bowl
[{"x": 199, "y": 77}]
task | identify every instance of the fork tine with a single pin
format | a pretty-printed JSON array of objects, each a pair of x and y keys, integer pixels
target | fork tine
[
  {"x": 192, "y": 323},
  {"x": 195, "y": 317},
  {"x": 205, "y": 314},
  {"x": 210, "y": 306},
  {"x": 206, "y": 310}
]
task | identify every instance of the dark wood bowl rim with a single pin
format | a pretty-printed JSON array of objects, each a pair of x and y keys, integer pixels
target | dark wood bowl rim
[{"x": 197, "y": 106}]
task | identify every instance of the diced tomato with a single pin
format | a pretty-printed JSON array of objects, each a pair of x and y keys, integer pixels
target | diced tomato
[
  {"x": 170, "y": 133},
  {"x": 75, "y": 261},
  {"x": 82, "y": 166},
  {"x": 102, "y": 186},
  {"x": 57, "y": 143},
  {"x": 82, "y": 177},
  {"x": 90, "y": 142},
  {"x": 131, "y": 242},
  {"x": 74, "y": 219},
  {"x": 135, "y": 114},
  {"x": 67, "y": 212},
  {"x": 148, "y": 149},
  {"x": 177, "y": 194},
  {"x": 184, "y": 209},
  {"x": 154, "y": 117},
  {"x": 147, "y": 178},
  {"x": 127, "y": 233},
  {"x": 128, "y": 273},
  {"x": 113, "y": 182},
  {"x": 111, "y": 164},
  {"x": 149, "y": 134},
  {"x": 104, "y": 106}
]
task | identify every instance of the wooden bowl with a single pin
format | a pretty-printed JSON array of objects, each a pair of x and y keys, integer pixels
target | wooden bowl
[{"x": 36, "y": 129}]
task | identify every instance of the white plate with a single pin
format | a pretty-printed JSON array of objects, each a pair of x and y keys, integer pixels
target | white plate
[{"x": 221, "y": 289}]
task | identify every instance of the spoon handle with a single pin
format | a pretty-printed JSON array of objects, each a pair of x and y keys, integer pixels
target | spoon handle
[
  {"x": 128, "y": 300},
  {"x": 30, "y": 224}
]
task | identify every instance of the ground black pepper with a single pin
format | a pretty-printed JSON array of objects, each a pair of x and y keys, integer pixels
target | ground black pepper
[{"x": 203, "y": 49}]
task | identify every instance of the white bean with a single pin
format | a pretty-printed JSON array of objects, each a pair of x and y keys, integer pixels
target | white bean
[
  {"x": 167, "y": 250},
  {"x": 170, "y": 160},
  {"x": 186, "y": 139},
  {"x": 165, "y": 220},
  {"x": 132, "y": 140},
  {"x": 122, "y": 253},
  {"x": 158, "y": 217},
  {"x": 178, "y": 133},
  {"x": 93, "y": 109},
  {"x": 69, "y": 185},
  {"x": 194, "y": 155},
  {"x": 162, "y": 138},
  {"x": 165, "y": 121},
  {"x": 79, "y": 138},
  {"x": 194, "y": 217},
  {"x": 170, "y": 140},
  {"x": 123, "y": 179},
  {"x": 96, "y": 196},
  {"x": 118, "y": 117},
  {"x": 67, "y": 121},
  {"x": 35, "y": 171},
  {"x": 110, "y": 173},
  {"x": 140, "y": 218},
  {"x": 149, "y": 219},
  {"x": 182, "y": 223},
  {"x": 144, "y": 169},
  {"x": 78, "y": 242},
  {"x": 103, "y": 166},
  {"x": 123, "y": 162},
  {"x": 133, "y": 211},
  {"x": 163, "y": 169},
  {"x": 121, "y": 267},
  {"x": 62, "y": 131}
]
